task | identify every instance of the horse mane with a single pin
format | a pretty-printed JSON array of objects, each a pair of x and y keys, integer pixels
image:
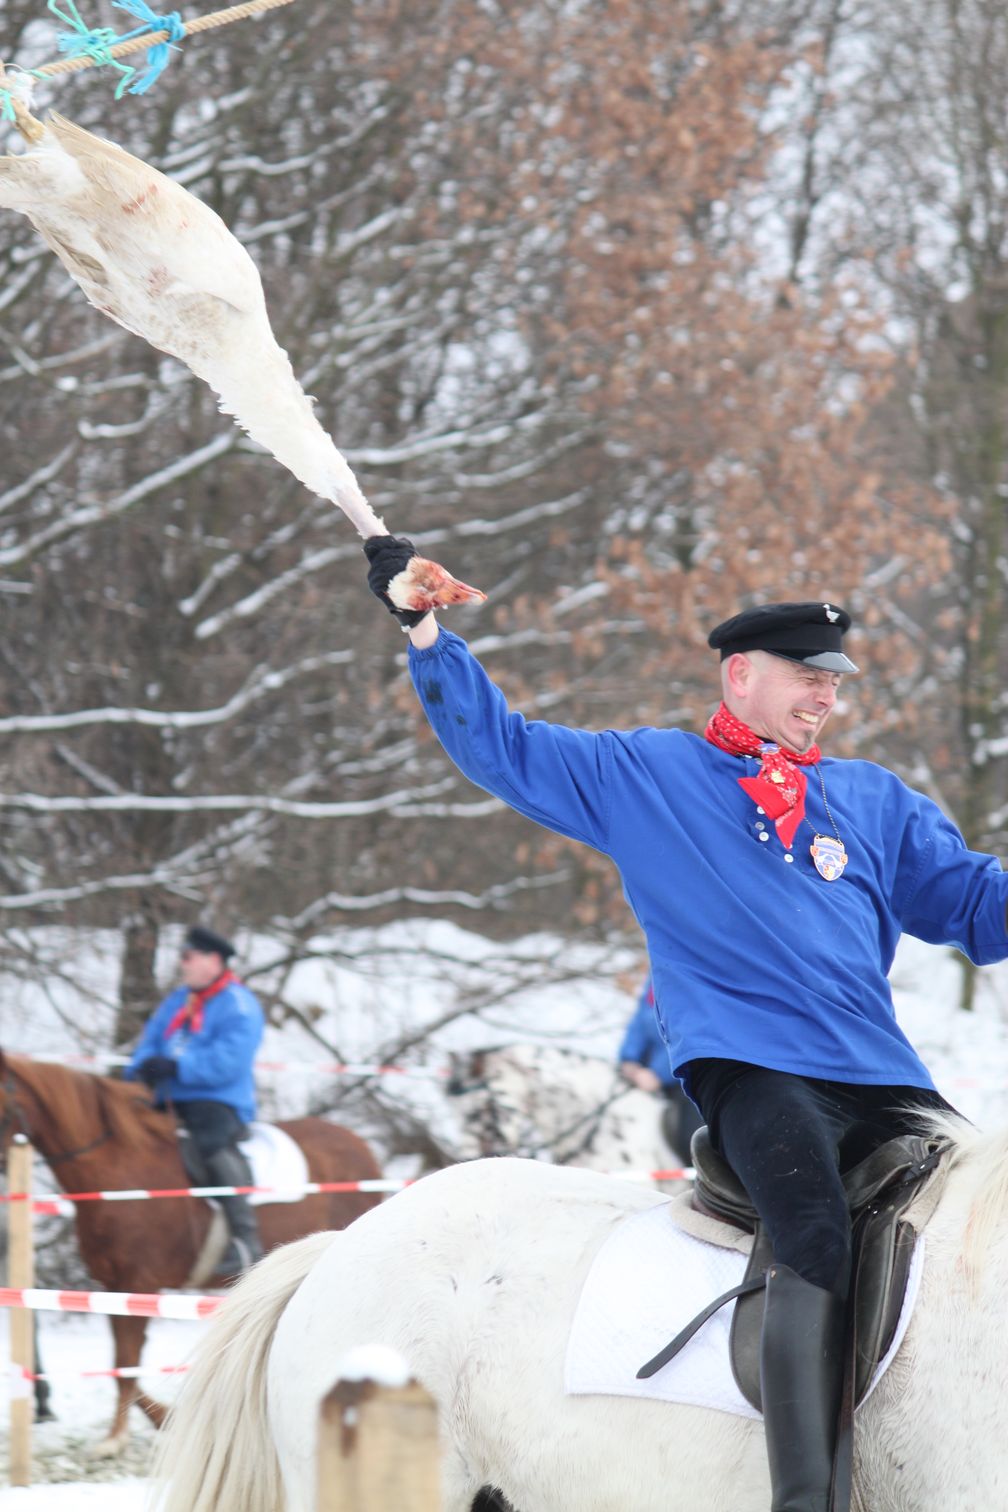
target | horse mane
[
  {"x": 87, "y": 1101},
  {"x": 130, "y": 1113},
  {"x": 984, "y": 1157}
]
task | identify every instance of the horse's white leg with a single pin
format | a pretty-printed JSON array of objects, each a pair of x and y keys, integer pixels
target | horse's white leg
[{"x": 458, "y": 1488}]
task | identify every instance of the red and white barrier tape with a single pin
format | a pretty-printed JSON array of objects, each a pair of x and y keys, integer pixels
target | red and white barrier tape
[
  {"x": 20, "y": 1381},
  {"x": 118, "y": 1304},
  {"x": 57, "y": 1204}
]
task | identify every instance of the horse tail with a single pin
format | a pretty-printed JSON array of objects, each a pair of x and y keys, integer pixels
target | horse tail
[{"x": 216, "y": 1453}]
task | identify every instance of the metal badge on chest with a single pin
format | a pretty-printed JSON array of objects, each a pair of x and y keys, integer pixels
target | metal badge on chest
[{"x": 827, "y": 851}]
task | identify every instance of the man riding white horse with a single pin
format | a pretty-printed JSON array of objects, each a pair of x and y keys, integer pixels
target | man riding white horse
[{"x": 772, "y": 905}]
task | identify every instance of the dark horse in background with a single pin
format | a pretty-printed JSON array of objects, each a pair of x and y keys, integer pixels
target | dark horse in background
[{"x": 97, "y": 1134}]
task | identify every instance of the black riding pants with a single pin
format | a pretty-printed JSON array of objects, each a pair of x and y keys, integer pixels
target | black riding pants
[
  {"x": 211, "y": 1125},
  {"x": 789, "y": 1138}
]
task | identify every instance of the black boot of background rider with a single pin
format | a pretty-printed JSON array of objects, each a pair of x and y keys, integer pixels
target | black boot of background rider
[
  {"x": 228, "y": 1167},
  {"x": 801, "y": 1372},
  {"x": 43, "y": 1395}
]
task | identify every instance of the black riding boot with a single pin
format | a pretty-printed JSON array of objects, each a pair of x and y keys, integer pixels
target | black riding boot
[
  {"x": 43, "y": 1395},
  {"x": 43, "y": 1402},
  {"x": 228, "y": 1167},
  {"x": 801, "y": 1369}
]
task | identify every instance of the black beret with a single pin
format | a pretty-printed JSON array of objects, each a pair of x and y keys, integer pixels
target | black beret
[
  {"x": 809, "y": 633},
  {"x": 207, "y": 941}
]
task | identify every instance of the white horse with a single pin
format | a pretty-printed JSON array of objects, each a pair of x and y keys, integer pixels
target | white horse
[
  {"x": 473, "y": 1275},
  {"x": 558, "y": 1105}
]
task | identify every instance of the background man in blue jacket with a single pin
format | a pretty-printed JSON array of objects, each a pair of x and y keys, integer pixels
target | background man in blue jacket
[
  {"x": 644, "y": 1060},
  {"x": 772, "y": 885},
  {"x": 196, "y": 1053}
]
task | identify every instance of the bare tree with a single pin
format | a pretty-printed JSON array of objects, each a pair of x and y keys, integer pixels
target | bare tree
[
  {"x": 517, "y": 253},
  {"x": 911, "y": 200}
]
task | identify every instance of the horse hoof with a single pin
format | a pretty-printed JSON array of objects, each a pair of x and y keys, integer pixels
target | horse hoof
[{"x": 108, "y": 1448}]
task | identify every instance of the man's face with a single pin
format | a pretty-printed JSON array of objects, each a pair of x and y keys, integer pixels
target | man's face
[
  {"x": 782, "y": 700},
  {"x": 200, "y": 967}
]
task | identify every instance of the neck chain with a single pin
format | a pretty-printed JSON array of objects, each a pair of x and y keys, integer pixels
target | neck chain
[{"x": 827, "y": 851}]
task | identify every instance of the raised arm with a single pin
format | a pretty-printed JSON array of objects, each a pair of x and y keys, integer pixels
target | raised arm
[
  {"x": 557, "y": 776},
  {"x": 424, "y": 635}
]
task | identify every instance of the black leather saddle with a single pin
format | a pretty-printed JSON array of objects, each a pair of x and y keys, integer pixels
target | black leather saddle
[{"x": 879, "y": 1192}]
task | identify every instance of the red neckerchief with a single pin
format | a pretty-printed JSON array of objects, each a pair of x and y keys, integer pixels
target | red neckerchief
[
  {"x": 779, "y": 787},
  {"x": 191, "y": 1012}
]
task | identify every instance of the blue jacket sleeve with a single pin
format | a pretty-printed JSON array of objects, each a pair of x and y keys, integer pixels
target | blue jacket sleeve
[
  {"x": 953, "y": 896},
  {"x": 557, "y": 776}
]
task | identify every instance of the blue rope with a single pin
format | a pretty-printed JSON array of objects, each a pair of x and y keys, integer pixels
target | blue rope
[
  {"x": 160, "y": 54},
  {"x": 90, "y": 42},
  {"x": 7, "y": 107},
  {"x": 96, "y": 43}
]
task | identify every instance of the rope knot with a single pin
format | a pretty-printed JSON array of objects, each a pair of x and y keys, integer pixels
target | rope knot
[
  {"x": 160, "y": 54},
  {"x": 94, "y": 43}
]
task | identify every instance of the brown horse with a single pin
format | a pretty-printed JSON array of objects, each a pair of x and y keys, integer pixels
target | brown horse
[{"x": 102, "y": 1135}]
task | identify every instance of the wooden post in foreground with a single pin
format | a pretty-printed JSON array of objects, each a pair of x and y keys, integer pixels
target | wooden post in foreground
[
  {"x": 378, "y": 1448},
  {"x": 21, "y": 1272}
]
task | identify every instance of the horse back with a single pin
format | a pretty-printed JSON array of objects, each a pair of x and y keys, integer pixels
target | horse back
[{"x": 334, "y": 1154}]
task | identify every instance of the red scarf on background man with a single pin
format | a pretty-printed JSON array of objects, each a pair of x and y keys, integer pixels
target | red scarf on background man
[
  {"x": 779, "y": 786},
  {"x": 191, "y": 1012}
]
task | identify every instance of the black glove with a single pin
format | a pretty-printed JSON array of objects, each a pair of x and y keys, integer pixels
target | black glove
[
  {"x": 388, "y": 556},
  {"x": 156, "y": 1068}
]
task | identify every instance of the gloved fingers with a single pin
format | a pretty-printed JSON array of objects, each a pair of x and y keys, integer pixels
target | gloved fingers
[{"x": 388, "y": 556}]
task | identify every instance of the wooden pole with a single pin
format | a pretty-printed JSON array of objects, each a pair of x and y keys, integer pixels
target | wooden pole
[
  {"x": 21, "y": 1272},
  {"x": 31, "y": 129},
  {"x": 378, "y": 1449}
]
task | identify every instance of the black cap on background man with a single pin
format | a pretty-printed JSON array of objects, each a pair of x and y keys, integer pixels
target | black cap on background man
[
  {"x": 208, "y": 942},
  {"x": 807, "y": 632}
]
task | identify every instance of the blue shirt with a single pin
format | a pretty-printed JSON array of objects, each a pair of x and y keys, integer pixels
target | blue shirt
[
  {"x": 754, "y": 955},
  {"x": 214, "y": 1063},
  {"x": 643, "y": 1043}
]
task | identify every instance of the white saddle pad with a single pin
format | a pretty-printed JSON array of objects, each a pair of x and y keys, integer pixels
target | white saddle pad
[
  {"x": 276, "y": 1161},
  {"x": 646, "y": 1283}
]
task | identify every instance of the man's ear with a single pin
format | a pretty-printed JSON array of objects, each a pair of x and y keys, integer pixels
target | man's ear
[{"x": 738, "y": 673}]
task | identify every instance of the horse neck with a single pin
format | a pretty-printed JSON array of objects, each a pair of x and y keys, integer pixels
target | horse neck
[{"x": 968, "y": 1229}]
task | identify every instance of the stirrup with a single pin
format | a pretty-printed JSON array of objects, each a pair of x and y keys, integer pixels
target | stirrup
[{"x": 236, "y": 1259}]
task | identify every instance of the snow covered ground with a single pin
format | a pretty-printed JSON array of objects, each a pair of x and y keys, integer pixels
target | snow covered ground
[
  {"x": 65, "y": 1477},
  {"x": 359, "y": 994}
]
